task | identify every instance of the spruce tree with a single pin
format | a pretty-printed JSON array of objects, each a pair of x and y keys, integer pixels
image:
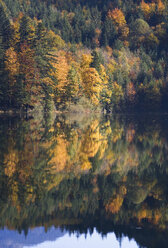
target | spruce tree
[
  {"x": 5, "y": 27},
  {"x": 95, "y": 60}
]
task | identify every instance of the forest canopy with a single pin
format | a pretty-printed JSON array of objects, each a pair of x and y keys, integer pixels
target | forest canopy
[{"x": 109, "y": 55}]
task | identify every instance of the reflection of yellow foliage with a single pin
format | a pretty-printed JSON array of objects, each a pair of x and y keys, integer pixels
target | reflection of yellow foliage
[
  {"x": 104, "y": 145},
  {"x": 157, "y": 216},
  {"x": 59, "y": 155},
  {"x": 128, "y": 159},
  {"x": 86, "y": 165},
  {"x": 114, "y": 205},
  {"x": 130, "y": 133},
  {"x": 157, "y": 193},
  {"x": 95, "y": 186},
  {"x": 144, "y": 213},
  {"x": 55, "y": 181},
  {"x": 91, "y": 141},
  {"x": 90, "y": 144},
  {"x": 63, "y": 205},
  {"x": 111, "y": 156},
  {"x": 122, "y": 190},
  {"x": 10, "y": 161},
  {"x": 117, "y": 133},
  {"x": 14, "y": 194}
]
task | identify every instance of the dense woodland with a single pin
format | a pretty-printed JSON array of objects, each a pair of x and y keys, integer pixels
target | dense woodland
[
  {"x": 77, "y": 54},
  {"x": 103, "y": 173}
]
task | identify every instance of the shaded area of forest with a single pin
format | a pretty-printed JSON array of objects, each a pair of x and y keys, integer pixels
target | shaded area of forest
[{"x": 83, "y": 56}]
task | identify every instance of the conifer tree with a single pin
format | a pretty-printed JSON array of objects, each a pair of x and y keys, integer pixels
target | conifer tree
[
  {"x": 95, "y": 61},
  {"x": 5, "y": 27}
]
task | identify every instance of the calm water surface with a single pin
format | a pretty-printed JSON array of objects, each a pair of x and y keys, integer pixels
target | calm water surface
[{"x": 80, "y": 181}]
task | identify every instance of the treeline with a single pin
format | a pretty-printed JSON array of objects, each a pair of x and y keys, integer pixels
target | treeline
[{"x": 110, "y": 55}]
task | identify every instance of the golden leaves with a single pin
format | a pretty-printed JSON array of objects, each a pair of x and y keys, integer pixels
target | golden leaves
[
  {"x": 10, "y": 160},
  {"x": 153, "y": 7},
  {"x": 117, "y": 16},
  {"x": 11, "y": 62},
  {"x": 86, "y": 61},
  {"x": 59, "y": 155},
  {"x": 119, "y": 21},
  {"x": 91, "y": 141},
  {"x": 114, "y": 205},
  {"x": 61, "y": 70},
  {"x": 91, "y": 83}
]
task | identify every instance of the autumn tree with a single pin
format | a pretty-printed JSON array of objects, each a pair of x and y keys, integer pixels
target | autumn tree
[
  {"x": 28, "y": 75},
  {"x": 12, "y": 67},
  {"x": 119, "y": 21},
  {"x": 91, "y": 84}
]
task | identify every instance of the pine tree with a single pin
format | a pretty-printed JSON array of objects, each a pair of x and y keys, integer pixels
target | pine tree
[
  {"x": 5, "y": 37},
  {"x": 95, "y": 61},
  {"x": 27, "y": 31},
  {"x": 5, "y": 27},
  {"x": 109, "y": 33}
]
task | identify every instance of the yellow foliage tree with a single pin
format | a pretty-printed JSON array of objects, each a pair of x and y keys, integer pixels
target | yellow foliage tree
[
  {"x": 10, "y": 161},
  {"x": 86, "y": 61},
  {"x": 151, "y": 8},
  {"x": 55, "y": 40},
  {"x": 119, "y": 21},
  {"x": 117, "y": 16},
  {"x": 117, "y": 93},
  {"x": 59, "y": 74},
  {"x": 11, "y": 62},
  {"x": 91, "y": 83}
]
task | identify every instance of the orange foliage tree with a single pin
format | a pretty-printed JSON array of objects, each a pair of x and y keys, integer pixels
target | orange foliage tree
[{"x": 119, "y": 21}]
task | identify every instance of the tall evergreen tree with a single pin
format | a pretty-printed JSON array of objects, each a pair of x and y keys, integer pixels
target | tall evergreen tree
[
  {"x": 95, "y": 60},
  {"x": 5, "y": 27}
]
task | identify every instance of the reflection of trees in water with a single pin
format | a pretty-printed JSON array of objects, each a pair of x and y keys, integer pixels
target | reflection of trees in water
[{"x": 66, "y": 172}]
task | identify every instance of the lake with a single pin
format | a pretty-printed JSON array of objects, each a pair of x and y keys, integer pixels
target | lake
[{"x": 84, "y": 181}]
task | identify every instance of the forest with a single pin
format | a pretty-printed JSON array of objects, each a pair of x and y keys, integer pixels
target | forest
[{"x": 81, "y": 55}]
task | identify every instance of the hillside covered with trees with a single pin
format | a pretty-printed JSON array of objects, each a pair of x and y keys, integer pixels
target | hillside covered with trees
[{"x": 77, "y": 54}]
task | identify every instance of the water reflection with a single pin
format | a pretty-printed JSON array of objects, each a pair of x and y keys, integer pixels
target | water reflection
[
  {"x": 34, "y": 238},
  {"x": 38, "y": 238},
  {"x": 89, "y": 241},
  {"x": 79, "y": 173}
]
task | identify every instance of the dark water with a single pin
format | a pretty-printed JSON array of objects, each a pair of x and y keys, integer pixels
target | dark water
[{"x": 81, "y": 181}]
